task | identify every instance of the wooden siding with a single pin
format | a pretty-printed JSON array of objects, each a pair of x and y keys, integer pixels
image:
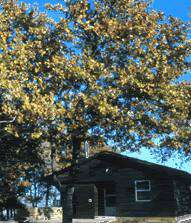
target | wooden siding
[
  {"x": 162, "y": 195},
  {"x": 183, "y": 197},
  {"x": 101, "y": 207}
]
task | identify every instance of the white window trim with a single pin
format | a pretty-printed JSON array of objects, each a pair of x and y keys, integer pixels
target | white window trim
[{"x": 142, "y": 190}]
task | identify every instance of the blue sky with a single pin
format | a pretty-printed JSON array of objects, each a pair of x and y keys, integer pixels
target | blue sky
[
  {"x": 177, "y": 8},
  {"x": 180, "y": 9}
]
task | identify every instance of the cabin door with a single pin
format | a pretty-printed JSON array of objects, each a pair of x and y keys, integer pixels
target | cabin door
[
  {"x": 85, "y": 201},
  {"x": 110, "y": 201}
]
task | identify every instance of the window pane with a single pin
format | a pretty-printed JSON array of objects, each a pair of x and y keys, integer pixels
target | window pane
[
  {"x": 111, "y": 201},
  {"x": 110, "y": 190},
  {"x": 142, "y": 185},
  {"x": 143, "y": 196}
]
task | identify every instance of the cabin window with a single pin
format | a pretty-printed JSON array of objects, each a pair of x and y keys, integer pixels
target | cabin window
[
  {"x": 143, "y": 190},
  {"x": 110, "y": 196}
]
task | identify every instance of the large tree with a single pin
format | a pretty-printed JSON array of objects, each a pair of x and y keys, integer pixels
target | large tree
[{"x": 105, "y": 73}]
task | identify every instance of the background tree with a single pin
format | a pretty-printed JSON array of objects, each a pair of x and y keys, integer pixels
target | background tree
[
  {"x": 105, "y": 73},
  {"x": 15, "y": 160}
]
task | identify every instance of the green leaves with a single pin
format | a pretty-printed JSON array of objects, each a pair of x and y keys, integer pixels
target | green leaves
[{"x": 84, "y": 74}]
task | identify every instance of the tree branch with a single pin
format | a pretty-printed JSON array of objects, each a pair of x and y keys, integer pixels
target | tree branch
[{"x": 8, "y": 121}]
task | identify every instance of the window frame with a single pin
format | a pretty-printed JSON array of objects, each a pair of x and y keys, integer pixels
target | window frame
[
  {"x": 108, "y": 195},
  {"x": 141, "y": 190}
]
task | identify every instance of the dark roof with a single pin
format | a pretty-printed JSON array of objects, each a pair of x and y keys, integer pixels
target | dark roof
[
  {"x": 125, "y": 161},
  {"x": 122, "y": 161}
]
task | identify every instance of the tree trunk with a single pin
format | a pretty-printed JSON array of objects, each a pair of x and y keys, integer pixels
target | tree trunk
[
  {"x": 68, "y": 190},
  {"x": 67, "y": 205},
  {"x": 32, "y": 200},
  {"x": 76, "y": 146},
  {"x": 47, "y": 196},
  {"x": 12, "y": 213},
  {"x": 35, "y": 194},
  {"x": 1, "y": 214},
  {"x": 8, "y": 214}
]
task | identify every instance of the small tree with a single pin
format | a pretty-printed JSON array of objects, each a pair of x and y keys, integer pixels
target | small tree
[
  {"x": 15, "y": 161},
  {"x": 105, "y": 73}
]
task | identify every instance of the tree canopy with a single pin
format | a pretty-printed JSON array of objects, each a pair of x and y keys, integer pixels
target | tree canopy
[
  {"x": 100, "y": 73},
  {"x": 105, "y": 73}
]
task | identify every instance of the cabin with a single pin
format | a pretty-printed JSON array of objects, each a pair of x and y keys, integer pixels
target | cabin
[{"x": 111, "y": 184}]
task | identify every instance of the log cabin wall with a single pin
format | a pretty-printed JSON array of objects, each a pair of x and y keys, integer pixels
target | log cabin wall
[
  {"x": 162, "y": 191},
  {"x": 183, "y": 198},
  {"x": 161, "y": 195},
  {"x": 123, "y": 175},
  {"x": 101, "y": 205}
]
